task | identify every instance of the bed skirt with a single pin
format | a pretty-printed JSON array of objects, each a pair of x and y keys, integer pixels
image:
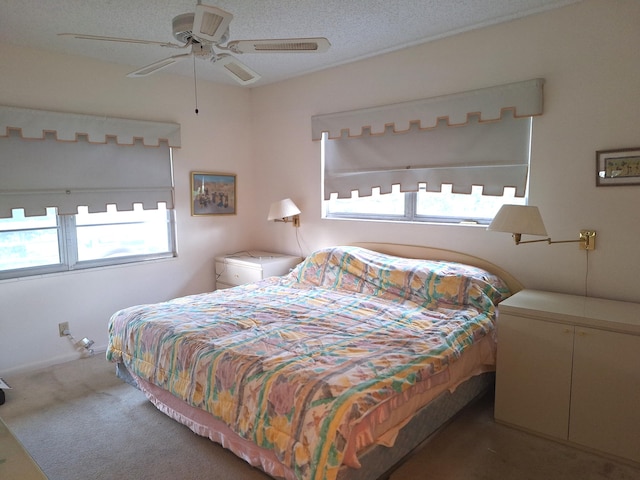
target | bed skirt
[{"x": 377, "y": 461}]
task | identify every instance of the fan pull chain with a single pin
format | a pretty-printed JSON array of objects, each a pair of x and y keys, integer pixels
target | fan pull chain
[{"x": 195, "y": 83}]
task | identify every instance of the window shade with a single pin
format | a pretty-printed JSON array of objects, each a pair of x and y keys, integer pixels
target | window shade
[
  {"x": 49, "y": 160},
  {"x": 471, "y": 138}
]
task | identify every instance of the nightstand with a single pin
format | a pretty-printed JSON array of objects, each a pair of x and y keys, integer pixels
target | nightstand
[
  {"x": 251, "y": 266},
  {"x": 568, "y": 369}
]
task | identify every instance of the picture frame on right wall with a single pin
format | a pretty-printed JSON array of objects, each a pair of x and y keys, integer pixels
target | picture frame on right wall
[{"x": 618, "y": 167}]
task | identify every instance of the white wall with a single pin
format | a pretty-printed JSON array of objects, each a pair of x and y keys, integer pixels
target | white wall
[
  {"x": 588, "y": 53},
  {"x": 216, "y": 140}
]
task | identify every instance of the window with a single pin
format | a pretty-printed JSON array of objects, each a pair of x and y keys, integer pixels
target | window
[
  {"x": 506, "y": 140},
  {"x": 56, "y": 243},
  {"x": 454, "y": 158},
  {"x": 27, "y": 242},
  {"x": 68, "y": 165},
  {"x": 422, "y": 206},
  {"x": 122, "y": 234},
  {"x": 447, "y": 206}
]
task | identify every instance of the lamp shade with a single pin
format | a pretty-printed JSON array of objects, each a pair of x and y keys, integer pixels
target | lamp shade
[
  {"x": 283, "y": 209},
  {"x": 523, "y": 219}
]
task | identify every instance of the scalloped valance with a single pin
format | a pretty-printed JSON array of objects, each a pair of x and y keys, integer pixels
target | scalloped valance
[{"x": 34, "y": 124}]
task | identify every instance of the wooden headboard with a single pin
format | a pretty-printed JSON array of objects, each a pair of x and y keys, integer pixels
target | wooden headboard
[{"x": 430, "y": 253}]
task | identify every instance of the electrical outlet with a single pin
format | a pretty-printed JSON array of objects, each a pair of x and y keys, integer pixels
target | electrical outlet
[{"x": 62, "y": 327}]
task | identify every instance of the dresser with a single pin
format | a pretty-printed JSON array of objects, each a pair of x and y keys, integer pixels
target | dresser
[
  {"x": 251, "y": 266},
  {"x": 568, "y": 368}
]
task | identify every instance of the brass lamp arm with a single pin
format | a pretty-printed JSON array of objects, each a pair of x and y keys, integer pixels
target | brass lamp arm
[
  {"x": 587, "y": 239},
  {"x": 518, "y": 236}
]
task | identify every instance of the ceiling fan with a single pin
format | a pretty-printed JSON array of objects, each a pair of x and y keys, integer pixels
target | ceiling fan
[{"x": 205, "y": 35}]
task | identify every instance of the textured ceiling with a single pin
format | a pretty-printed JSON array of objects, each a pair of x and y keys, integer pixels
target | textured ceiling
[{"x": 356, "y": 28}]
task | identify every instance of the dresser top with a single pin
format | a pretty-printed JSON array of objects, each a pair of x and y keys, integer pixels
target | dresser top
[
  {"x": 257, "y": 258},
  {"x": 575, "y": 309}
]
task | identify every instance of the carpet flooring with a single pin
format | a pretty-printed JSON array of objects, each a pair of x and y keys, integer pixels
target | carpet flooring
[{"x": 80, "y": 422}]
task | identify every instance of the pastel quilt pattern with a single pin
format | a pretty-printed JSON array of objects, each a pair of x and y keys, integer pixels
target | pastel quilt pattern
[{"x": 293, "y": 363}]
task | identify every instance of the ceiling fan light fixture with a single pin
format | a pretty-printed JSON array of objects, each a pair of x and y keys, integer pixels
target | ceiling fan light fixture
[{"x": 211, "y": 23}]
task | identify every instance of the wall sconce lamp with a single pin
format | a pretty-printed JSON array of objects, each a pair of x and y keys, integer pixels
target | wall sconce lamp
[
  {"x": 284, "y": 211},
  {"x": 526, "y": 219}
]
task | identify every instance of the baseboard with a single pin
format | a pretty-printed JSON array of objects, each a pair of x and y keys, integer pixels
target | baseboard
[{"x": 50, "y": 362}]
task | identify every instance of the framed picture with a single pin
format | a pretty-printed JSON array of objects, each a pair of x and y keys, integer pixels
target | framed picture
[
  {"x": 618, "y": 167},
  {"x": 213, "y": 194}
]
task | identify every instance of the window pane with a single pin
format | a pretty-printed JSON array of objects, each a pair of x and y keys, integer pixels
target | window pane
[
  {"x": 444, "y": 206},
  {"x": 117, "y": 234},
  {"x": 375, "y": 204},
  {"x": 472, "y": 206},
  {"x": 29, "y": 241}
]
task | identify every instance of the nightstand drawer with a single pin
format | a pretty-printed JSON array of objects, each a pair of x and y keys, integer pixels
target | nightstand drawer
[{"x": 236, "y": 274}]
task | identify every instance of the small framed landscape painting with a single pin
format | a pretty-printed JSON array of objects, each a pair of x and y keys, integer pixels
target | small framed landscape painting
[
  {"x": 213, "y": 194},
  {"x": 618, "y": 167}
]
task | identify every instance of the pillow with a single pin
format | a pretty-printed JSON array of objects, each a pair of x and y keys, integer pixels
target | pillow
[{"x": 426, "y": 282}]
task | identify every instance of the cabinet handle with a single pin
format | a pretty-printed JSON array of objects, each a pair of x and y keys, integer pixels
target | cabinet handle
[
  {"x": 582, "y": 333},
  {"x": 566, "y": 330}
]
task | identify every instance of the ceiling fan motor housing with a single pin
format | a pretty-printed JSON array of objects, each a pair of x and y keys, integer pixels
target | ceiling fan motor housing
[{"x": 182, "y": 26}]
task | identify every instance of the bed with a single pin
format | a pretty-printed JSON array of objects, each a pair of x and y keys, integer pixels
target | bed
[{"x": 336, "y": 370}]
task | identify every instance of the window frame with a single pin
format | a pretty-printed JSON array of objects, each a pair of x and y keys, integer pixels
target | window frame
[
  {"x": 410, "y": 214},
  {"x": 68, "y": 251}
]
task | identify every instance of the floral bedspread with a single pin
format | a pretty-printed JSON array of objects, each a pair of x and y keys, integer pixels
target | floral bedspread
[{"x": 292, "y": 363}]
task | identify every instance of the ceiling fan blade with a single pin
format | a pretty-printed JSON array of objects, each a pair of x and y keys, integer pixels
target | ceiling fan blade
[
  {"x": 83, "y": 36},
  {"x": 210, "y": 23},
  {"x": 285, "y": 45},
  {"x": 236, "y": 69},
  {"x": 154, "y": 67}
]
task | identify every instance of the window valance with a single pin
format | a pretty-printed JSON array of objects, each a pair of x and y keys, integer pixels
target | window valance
[
  {"x": 524, "y": 99},
  {"x": 69, "y": 126},
  {"x": 479, "y": 138},
  {"x": 50, "y": 159}
]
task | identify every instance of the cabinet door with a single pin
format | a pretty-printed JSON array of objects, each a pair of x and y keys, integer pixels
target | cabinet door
[
  {"x": 533, "y": 377},
  {"x": 605, "y": 396}
]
